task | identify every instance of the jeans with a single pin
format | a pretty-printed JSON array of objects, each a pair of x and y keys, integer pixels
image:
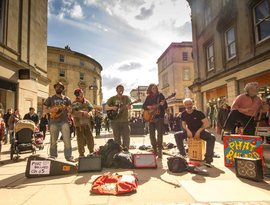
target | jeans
[
  {"x": 246, "y": 121},
  {"x": 62, "y": 127},
  {"x": 205, "y": 135},
  {"x": 157, "y": 124},
  {"x": 121, "y": 129}
]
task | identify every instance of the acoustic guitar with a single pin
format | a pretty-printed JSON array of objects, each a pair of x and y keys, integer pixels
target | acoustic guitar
[
  {"x": 113, "y": 114},
  {"x": 59, "y": 112},
  {"x": 149, "y": 115}
]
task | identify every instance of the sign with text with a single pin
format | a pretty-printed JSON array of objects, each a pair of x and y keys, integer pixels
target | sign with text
[
  {"x": 39, "y": 167},
  {"x": 241, "y": 146}
]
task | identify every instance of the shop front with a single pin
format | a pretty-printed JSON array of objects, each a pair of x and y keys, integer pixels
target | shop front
[
  {"x": 217, "y": 96},
  {"x": 7, "y": 94}
]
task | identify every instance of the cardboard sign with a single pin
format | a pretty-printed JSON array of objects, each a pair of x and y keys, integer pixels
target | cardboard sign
[
  {"x": 39, "y": 167},
  {"x": 241, "y": 146}
]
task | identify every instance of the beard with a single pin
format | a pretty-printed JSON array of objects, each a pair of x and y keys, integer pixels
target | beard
[{"x": 59, "y": 91}]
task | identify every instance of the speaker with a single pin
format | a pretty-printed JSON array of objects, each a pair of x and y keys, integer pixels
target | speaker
[
  {"x": 24, "y": 74},
  {"x": 41, "y": 167},
  {"x": 89, "y": 163},
  {"x": 249, "y": 168}
]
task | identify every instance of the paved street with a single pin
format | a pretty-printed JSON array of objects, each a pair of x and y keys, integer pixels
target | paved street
[{"x": 158, "y": 186}]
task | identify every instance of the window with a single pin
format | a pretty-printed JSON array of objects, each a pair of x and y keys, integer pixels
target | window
[
  {"x": 230, "y": 44},
  {"x": 62, "y": 73},
  {"x": 186, "y": 74},
  {"x": 2, "y": 16},
  {"x": 81, "y": 76},
  {"x": 262, "y": 20},
  {"x": 186, "y": 92},
  {"x": 165, "y": 80},
  {"x": 207, "y": 14},
  {"x": 185, "y": 56},
  {"x": 81, "y": 63},
  {"x": 61, "y": 58},
  {"x": 210, "y": 57}
]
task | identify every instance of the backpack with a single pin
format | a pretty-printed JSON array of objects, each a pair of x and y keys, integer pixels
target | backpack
[
  {"x": 177, "y": 164},
  {"x": 108, "y": 151},
  {"x": 123, "y": 160}
]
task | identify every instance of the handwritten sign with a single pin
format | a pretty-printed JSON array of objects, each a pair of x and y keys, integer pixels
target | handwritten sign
[
  {"x": 241, "y": 146},
  {"x": 40, "y": 167}
]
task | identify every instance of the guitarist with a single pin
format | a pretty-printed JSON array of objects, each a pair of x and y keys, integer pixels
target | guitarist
[
  {"x": 155, "y": 102},
  {"x": 120, "y": 125},
  {"x": 58, "y": 106}
]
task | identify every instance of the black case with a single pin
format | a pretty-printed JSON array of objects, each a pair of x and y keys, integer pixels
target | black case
[
  {"x": 90, "y": 163},
  {"x": 41, "y": 167}
]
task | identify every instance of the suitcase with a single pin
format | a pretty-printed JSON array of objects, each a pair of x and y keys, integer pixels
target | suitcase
[
  {"x": 145, "y": 160},
  {"x": 90, "y": 163},
  {"x": 41, "y": 167}
]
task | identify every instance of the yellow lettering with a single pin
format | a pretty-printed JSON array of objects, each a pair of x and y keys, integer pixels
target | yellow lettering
[
  {"x": 231, "y": 145},
  {"x": 252, "y": 147},
  {"x": 256, "y": 155},
  {"x": 238, "y": 145},
  {"x": 230, "y": 155},
  {"x": 246, "y": 146}
]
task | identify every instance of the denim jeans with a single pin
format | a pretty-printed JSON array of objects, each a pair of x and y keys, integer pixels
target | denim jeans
[
  {"x": 157, "y": 124},
  {"x": 62, "y": 127},
  {"x": 205, "y": 135}
]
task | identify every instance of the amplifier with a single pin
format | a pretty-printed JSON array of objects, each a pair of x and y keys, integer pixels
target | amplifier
[
  {"x": 89, "y": 163},
  {"x": 145, "y": 160},
  {"x": 249, "y": 168}
]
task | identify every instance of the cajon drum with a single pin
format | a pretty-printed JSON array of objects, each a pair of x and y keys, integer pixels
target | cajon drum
[{"x": 196, "y": 149}]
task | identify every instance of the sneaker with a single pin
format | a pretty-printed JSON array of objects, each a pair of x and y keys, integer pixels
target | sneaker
[
  {"x": 207, "y": 163},
  {"x": 160, "y": 154},
  {"x": 71, "y": 159},
  {"x": 51, "y": 157}
]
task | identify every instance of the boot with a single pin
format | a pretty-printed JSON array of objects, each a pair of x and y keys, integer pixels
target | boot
[{"x": 160, "y": 153}]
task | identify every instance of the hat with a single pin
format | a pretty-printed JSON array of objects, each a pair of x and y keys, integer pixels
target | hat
[
  {"x": 59, "y": 83},
  {"x": 78, "y": 91}
]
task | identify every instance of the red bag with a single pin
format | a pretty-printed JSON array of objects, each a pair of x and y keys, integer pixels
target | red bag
[{"x": 114, "y": 184}]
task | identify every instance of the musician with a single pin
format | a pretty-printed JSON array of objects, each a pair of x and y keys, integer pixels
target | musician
[
  {"x": 81, "y": 113},
  {"x": 120, "y": 125},
  {"x": 58, "y": 106},
  {"x": 194, "y": 123},
  {"x": 244, "y": 110},
  {"x": 156, "y": 101}
]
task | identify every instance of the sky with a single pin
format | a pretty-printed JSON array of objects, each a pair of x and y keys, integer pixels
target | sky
[{"x": 125, "y": 36}]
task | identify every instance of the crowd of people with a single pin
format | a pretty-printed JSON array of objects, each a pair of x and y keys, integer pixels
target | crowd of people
[{"x": 78, "y": 117}]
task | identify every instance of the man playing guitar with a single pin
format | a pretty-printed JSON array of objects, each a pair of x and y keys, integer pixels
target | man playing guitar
[
  {"x": 156, "y": 103},
  {"x": 120, "y": 124},
  {"x": 58, "y": 106}
]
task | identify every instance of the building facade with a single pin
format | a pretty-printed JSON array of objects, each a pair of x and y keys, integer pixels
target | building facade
[
  {"x": 139, "y": 93},
  {"x": 23, "y": 54},
  {"x": 75, "y": 70},
  {"x": 231, "y": 47},
  {"x": 176, "y": 74}
]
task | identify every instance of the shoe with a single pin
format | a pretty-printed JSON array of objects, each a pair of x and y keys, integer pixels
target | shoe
[
  {"x": 81, "y": 155},
  {"x": 160, "y": 153},
  {"x": 71, "y": 159},
  {"x": 207, "y": 163},
  {"x": 51, "y": 157}
]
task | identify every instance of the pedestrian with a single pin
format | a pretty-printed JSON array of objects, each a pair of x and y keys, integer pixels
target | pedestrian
[
  {"x": 59, "y": 106},
  {"x": 13, "y": 119},
  {"x": 2, "y": 132},
  {"x": 98, "y": 122},
  {"x": 81, "y": 109},
  {"x": 120, "y": 125},
  {"x": 156, "y": 101},
  {"x": 6, "y": 117},
  {"x": 166, "y": 124},
  {"x": 244, "y": 109},
  {"x": 43, "y": 124},
  {"x": 222, "y": 116},
  {"x": 31, "y": 116},
  {"x": 194, "y": 124},
  {"x": 171, "y": 121},
  {"x": 107, "y": 124}
]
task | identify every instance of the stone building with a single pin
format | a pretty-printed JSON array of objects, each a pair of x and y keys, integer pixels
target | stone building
[
  {"x": 138, "y": 93},
  {"x": 176, "y": 74},
  {"x": 23, "y": 54},
  {"x": 75, "y": 70},
  {"x": 231, "y": 47}
]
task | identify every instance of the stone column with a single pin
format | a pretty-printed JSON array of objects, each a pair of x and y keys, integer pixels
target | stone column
[{"x": 232, "y": 89}]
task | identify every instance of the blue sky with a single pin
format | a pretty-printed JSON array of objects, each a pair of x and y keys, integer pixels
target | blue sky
[{"x": 125, "y": 36}]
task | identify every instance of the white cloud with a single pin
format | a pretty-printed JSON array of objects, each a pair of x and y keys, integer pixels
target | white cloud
[{"x": 76, "y": 12}]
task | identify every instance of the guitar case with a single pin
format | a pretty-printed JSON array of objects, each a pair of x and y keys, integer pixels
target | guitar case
[{"x": 41, "y": 167}]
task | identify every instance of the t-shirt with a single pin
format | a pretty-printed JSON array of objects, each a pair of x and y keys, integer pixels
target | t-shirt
[
  {"x": 61, "y": 103},
  {"x": 193, "y": 120},
  {"x": 122, "y": 102}
]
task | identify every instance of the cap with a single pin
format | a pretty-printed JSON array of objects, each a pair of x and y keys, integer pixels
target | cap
[{"x": 59, "y": 83}]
